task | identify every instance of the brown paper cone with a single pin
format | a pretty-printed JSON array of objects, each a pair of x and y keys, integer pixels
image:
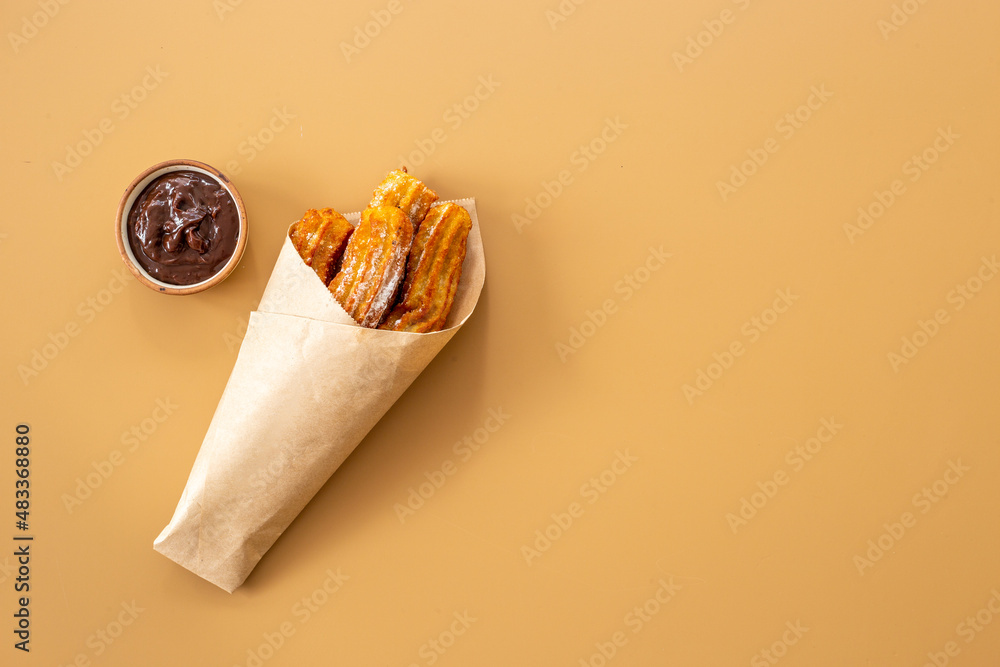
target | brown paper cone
[{"x": 307, "y": 387}]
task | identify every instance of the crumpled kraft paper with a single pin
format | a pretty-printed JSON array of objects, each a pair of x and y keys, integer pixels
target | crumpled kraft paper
[{"x": 308, "y": 385}]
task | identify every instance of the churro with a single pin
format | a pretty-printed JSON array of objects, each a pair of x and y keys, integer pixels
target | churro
[
  {"x": 406, "y": 193},
  {"x": 433, "y": 271},
  {"x": 373, "y": 264},
  {"x": 321, "y": 237}
]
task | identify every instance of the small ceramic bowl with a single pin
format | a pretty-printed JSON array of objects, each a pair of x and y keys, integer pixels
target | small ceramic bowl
[{"x": 132, "y": 193}]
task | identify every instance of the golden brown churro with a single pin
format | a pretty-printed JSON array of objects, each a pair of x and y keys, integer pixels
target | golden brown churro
[
  {"x": 373, "y": 264},
  {"x": 303, "y": 232},
  {"x": 320, "y": 238},
  {"x": 433, "y": 271},
  {"x": 400, "y": 268},
  {"x": 332, "y": 244},
  {"x": 406, "y": 193}
]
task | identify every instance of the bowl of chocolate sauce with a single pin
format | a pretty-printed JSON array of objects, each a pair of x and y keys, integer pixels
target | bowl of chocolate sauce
[{"x": 181, "y": 227}]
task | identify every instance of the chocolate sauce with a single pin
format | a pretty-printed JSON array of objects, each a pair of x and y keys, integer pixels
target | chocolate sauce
[{"x": 183, "y": 228}]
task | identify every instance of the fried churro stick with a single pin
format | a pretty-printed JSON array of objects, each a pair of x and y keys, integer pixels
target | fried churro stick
[
  {"x": 303, "y": 234},
  {"x": 433, "y": 271},
  {"x": 373, "y": 264},
  {"x": 332, "y": 244},
  {"x": 406, "y": 193},
  {"x": 321, "y": 237}
]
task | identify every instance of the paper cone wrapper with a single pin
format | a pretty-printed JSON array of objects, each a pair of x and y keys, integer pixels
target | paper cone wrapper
[{"x": 308, "y": 385}]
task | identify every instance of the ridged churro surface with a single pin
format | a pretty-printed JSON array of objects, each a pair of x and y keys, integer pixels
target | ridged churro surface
[
  {"x": 433, "y": 271},
  {"x": 406, "y": 193},
  {"x": 321, "y": 237},
  {"x": 373, "y": 264},
  {"x": 303, "y": 234}
]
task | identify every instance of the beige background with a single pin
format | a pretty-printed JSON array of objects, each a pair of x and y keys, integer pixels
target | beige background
[{"x": 204, "y": 80}]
